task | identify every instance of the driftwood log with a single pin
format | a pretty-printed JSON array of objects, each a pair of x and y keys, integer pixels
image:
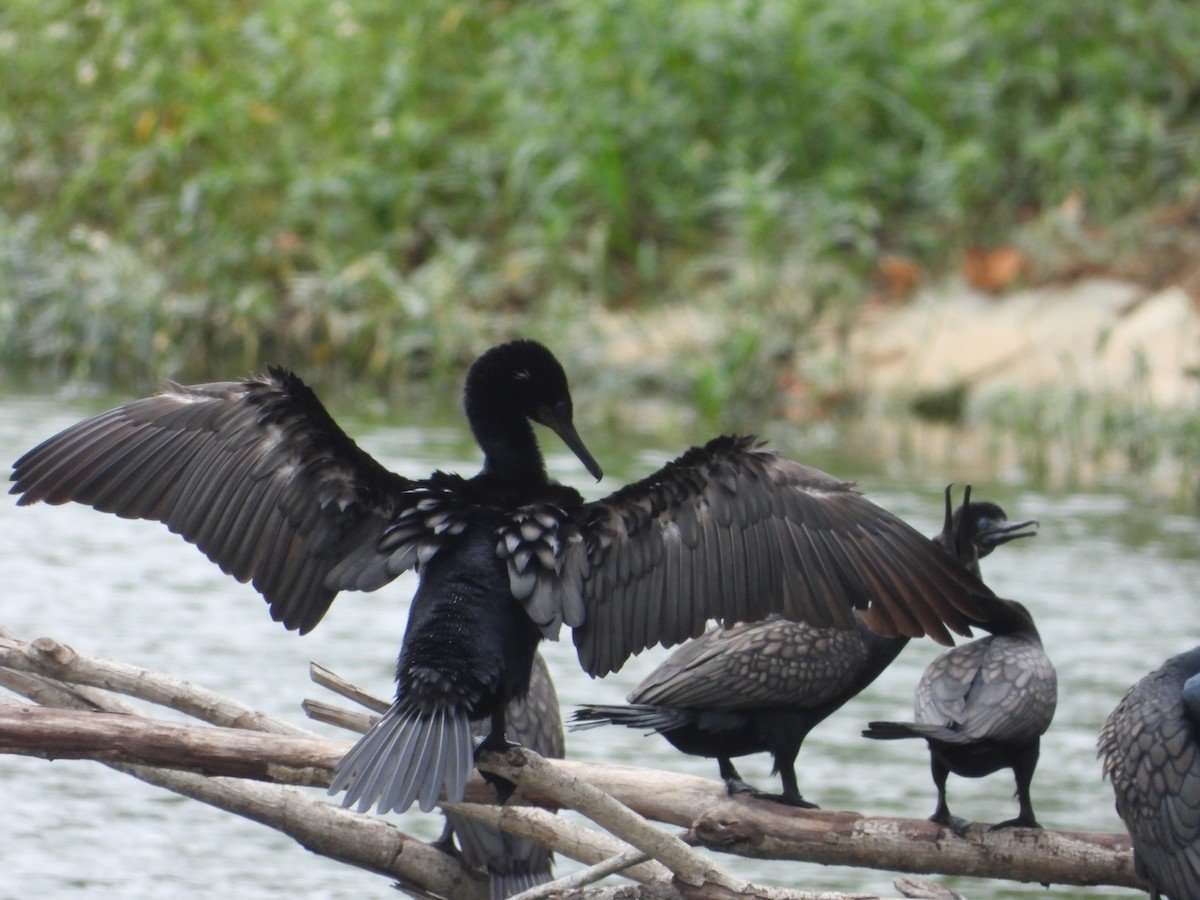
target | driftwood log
[{"x": 243, "y": 761}]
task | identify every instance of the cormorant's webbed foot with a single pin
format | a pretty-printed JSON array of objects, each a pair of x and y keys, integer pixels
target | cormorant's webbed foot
[
  {"x": 790, "y": 800},
  {"x": 737, "y": 786},
  {"x": 504, "y": 788},
  {"x": 954, "y": 823},
  {"x": 1018, "y": 822}
]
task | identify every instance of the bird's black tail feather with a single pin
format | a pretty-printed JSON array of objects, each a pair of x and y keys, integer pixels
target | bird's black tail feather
[
  {"x": 653, "y": 718},
  {"x": 407, "y": 756},
  {"x": 894, "y": 731}
]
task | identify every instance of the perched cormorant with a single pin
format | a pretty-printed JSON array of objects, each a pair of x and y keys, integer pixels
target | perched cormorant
[
  {"x": 982, "y": 707},
  {"x": 260, "y": 477},
  {"x": 514, "y": 864},
  {"x": 1151, "y": 748},
  {"x": 761, "y": 687}
]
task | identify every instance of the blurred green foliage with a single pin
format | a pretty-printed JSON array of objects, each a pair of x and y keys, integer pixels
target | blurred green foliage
[{"x": 384, "y": 187}]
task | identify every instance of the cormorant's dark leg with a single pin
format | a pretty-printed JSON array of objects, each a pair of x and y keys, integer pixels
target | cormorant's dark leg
[
  {"x": 445, "y": 842},
  {"x": 1023, "y": 768},
  {"x": 785, "y": 765},
  {"x": 496, "y": 742},
  {"x": 941, "y": 815},
  {"x": 733, "y": 781}
]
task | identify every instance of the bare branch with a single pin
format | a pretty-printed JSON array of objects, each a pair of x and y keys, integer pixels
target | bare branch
[
  {"x": 47, "y": 657},
  {"x": 349, "y": 719},
  {"x": 124, "y": 738},
  {"x": 920, "y": 889},
  {"x": 341, "y": 834},
  {"x": 361, "y": 841},
  {"x": 522, "y": 766},
  {"x": 741, "y": 825},
  {"x": 343, "y": 688},
  {"x": 759, "y": 828},
  {"x": 565, "y": 837}
]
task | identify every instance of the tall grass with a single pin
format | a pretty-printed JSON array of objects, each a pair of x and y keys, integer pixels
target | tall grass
[{"x": 384, "y": 186}]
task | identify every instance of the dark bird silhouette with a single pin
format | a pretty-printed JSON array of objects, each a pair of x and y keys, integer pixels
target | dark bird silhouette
[
  {"x": 260, "y": 477},
  {"x": 982, "y": 707},
  {"x": 513, "y": 864},
  {"x": 1152, "y": 755},
  {"x": 761, "y": 687}
]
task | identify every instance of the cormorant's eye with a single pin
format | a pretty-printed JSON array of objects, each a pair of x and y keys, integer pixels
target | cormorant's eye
[{"x": 984, "y": 523}]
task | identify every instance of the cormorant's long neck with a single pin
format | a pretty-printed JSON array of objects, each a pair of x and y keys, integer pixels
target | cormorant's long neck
[
  {"x": 1010, "y": 617},
  {"x": 510, "y": 448}
]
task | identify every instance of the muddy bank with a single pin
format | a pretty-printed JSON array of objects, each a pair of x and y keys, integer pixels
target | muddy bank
[{"x": 1101, "y": 338}]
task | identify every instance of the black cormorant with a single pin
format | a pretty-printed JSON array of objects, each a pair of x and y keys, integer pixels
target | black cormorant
[
  {"x": 259, "y": 476},
  {"x": 761, "y": 687},
  {"x": 982, "y": 707},
  {"x": 514, "y": 864},
  {"x": 1151, "y": 749}
]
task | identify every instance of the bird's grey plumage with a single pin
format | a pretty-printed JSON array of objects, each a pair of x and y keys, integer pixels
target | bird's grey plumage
[
  {"x": 998, "y": 688},
  {"x": 983, "y": 706},
  {"x": 743, "y": 666},
  {"x": 259, "y": 476},
  {"x": 515, "y": 864},
  {"x": 1151, "y": 754},
  {"x": 762, "y": 686}
]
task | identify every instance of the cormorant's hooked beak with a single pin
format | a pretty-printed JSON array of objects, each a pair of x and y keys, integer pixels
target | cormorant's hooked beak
[
  {"x": 1003, "y": 532},
  {"x": 559, "y": 421}
]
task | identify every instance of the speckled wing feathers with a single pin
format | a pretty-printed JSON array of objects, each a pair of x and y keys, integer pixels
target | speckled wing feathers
[
  {"x": 757, "y": 657},
  {"x": 996, "y": 688},
  {"x": 427, "y": 516},
  {"x": 732, "y": 531},
  {"x": 534, "y": 541},
  {"x": 1152, "y": 757},
  {"x": 255, "y": 473}
]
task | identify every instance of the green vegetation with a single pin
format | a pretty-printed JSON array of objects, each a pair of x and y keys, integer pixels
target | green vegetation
[{"x": 380, "y": 188}]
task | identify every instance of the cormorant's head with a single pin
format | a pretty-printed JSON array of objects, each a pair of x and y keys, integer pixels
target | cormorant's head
[
  {"x": 523, "y": 379},
  {"x": 978, "y": 527},
  {"x": 985, "y": 526}
]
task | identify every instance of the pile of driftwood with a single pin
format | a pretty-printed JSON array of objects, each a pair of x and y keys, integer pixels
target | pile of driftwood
[{"x": 248, "y": 763}]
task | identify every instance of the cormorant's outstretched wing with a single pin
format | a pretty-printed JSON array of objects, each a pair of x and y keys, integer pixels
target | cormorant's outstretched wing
[
  {"x": 734, "y": 532},
  {"x": 255, "y": 473}
]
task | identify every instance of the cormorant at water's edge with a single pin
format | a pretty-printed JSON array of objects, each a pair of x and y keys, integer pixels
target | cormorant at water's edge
[
  {"x": 982, "y": 707},
  {"x": 513, "y": 864},
  {"x": 759, "y": 687},
  {"x": 1150, "y": 744},
  {"x": 260, "y": 477}
]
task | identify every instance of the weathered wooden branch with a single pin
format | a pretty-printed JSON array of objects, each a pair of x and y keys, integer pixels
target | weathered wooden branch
[
  {"x": 363, "y": 841},
  {"x": 563, "y": 836},
  {"x": 239, "y": 746},
  {"x": 48, "y": 657},
  {"x": 525, "y": 768},
  {"x": 133, "y": 739},
  {"x": 742, "y": 825}
]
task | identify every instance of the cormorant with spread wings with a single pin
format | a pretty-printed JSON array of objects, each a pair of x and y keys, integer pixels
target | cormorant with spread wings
[{"x": 259, "y": 476}]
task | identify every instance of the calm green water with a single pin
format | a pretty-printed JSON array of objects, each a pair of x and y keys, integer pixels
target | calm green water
[{"x": 1111, "y": 581}]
